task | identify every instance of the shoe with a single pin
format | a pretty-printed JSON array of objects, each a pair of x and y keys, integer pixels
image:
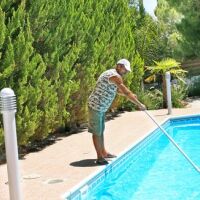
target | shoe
[
  {"x": 102, "y": 161},
  {"x": 109, "y": 155}
]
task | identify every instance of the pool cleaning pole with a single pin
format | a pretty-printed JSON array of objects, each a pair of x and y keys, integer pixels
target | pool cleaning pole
[
  {"x": 174, "y": 143},
  {"x": 8, "y": 109}
]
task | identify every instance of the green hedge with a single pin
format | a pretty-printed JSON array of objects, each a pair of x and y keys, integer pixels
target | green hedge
[{"x": 51, "y": 53}]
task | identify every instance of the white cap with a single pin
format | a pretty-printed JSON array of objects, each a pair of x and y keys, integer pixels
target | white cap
[{"x": 126, "y": 64}]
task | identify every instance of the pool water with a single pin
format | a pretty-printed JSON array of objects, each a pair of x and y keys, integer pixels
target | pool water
[{"x": 158, "y": 171}]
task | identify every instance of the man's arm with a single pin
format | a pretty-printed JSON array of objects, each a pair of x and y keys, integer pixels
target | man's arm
[
  {"x": 120, "y": 92},
  {"x": 122, "y": 89}
]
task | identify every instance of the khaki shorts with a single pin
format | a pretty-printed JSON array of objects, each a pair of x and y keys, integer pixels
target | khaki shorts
[{"x": 96, "y": 122}]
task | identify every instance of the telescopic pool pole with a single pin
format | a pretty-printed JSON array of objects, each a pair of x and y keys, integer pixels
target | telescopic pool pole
[{"x": 173, "y": 142}]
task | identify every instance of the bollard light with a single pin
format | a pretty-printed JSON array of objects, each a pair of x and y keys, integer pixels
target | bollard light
[
  {"x": 8, "y": 109},
  {"x": 7, "y": 100}
]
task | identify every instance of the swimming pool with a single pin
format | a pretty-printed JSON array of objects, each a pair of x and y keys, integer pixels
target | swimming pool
[{"x": 153, "y": 169}]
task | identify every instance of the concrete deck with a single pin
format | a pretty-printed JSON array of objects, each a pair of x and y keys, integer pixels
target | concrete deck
[{"x": 51, "y": 172}]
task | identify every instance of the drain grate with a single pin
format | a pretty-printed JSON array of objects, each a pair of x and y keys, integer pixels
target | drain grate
[
  {"x": 54, "y": 181},
  {"x": 31, "y": 176}
]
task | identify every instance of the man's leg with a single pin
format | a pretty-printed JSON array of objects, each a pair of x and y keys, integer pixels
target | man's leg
[
  {"x": 105, "y": 153},
  {"x": 96, "y": 126},
  {"x": 100, "y": 148},
  {"x": 97, "y": 140}
]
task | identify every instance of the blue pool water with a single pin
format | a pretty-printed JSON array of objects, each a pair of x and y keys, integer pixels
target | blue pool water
[{"x": 156, "y": 170}]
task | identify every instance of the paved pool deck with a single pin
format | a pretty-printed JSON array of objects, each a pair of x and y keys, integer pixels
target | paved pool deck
[{"x": 55, "y": 170}]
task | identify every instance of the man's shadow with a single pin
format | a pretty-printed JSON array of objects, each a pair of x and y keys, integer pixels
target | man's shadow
[{"x": 84, "y": 163}]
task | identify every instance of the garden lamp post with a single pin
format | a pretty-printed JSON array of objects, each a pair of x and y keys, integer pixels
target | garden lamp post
[
  {"x": 8, "y": 109},
  {"x": 168, "y": 84}
]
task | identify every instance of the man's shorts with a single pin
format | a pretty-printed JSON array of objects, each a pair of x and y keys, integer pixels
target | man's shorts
[{"x": 96, "y": 122}]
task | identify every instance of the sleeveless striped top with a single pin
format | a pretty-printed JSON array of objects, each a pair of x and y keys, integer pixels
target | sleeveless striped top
[{"x": 104, "y": 92}]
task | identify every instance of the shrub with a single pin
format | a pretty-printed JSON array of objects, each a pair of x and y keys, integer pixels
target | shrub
[
  {"x": 179, "y": 93},
  {"x": 194, "y": 87},
  {"x": 152, "y": 99}
]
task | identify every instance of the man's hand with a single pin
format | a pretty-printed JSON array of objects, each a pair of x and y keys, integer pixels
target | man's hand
[{"x": 142, "y": 106}]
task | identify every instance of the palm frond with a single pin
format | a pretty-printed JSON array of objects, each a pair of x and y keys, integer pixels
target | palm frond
[
  {"x": 150, "y": 78},
  {"x": 178, "y": 71},
  {"x": 181, "y": 79}
]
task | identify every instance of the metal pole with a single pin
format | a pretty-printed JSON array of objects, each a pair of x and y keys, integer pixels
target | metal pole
[
  {"x": 8, "y": 109},
  {"x": 173, "y": 142},
  {"x": 168, "y": 84}
]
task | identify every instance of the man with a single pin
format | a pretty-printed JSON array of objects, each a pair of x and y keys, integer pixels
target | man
[{"x": 108, "y": 84}]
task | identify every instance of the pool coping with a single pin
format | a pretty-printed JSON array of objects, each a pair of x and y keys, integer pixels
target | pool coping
[{"x": 82, "y": 186}]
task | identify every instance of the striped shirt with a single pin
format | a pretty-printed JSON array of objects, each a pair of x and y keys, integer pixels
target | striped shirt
[{"x": 104, "y": 92}]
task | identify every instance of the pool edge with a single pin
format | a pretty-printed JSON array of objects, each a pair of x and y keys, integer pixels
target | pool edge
[{"x": 102, "y": 169}]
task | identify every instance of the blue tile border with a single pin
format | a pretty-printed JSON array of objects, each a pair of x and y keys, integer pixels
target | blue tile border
[{"x": 80, "y": 191}]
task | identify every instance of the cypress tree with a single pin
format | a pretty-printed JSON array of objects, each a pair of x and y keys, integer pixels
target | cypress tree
[
  {"x": 52, "y": 53},
  {"x": 23, "y": 70},
  {"x": 2, "y": 40},
  {"x": 58, "y": 44}
]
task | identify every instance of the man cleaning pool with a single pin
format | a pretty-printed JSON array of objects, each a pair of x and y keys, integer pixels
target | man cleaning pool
[{"x": 108, "y": 84}]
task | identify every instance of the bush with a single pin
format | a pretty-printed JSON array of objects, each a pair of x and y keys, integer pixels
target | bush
[
  {"x": 194, "y": 87},
  {"x": 179, "y": 93},
  {"x": 152, "y": 99}
]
